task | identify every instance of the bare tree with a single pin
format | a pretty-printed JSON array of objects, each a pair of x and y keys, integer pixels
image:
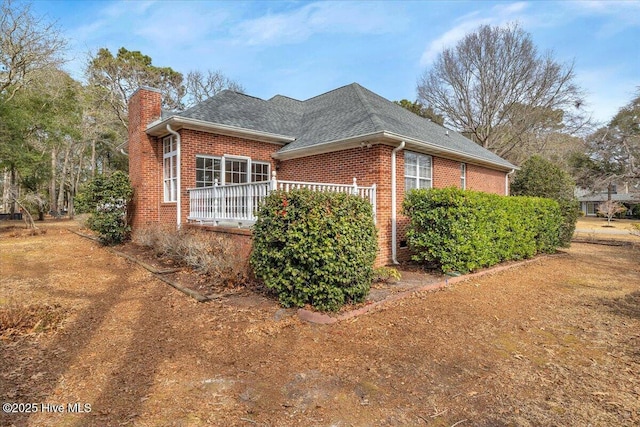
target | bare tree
[
  {"x": 201, "y": 86},
  {"x": 497, "y": 89},
  {"x": 610, "y": 209},
  {"x": 28, "y": 45}
]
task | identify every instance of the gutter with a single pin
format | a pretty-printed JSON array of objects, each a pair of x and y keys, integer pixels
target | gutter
[
  {"x": 353, "y": 142},
  {"x": 506, "y": 182},
  {"x": 157, "y": 128},
  {"x": 394, "y": 220},
  {"x": 178, "y": 183}
]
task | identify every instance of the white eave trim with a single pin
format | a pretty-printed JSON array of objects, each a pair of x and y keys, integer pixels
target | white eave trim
[
  {"x": 394, "y": 139},
  {"x": 159, "y": 128}
]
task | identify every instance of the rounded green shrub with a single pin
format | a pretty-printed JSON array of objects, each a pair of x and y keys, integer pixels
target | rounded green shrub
[
  {"x": 315, "y": 248},
  {"x": 106, "y": 198},
  {"x": 539, "y": 177}
]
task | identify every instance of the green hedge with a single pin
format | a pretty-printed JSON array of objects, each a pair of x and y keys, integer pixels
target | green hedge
[
  {"x": 463, "y": 231},
  {"x": 315, "y": 248}
]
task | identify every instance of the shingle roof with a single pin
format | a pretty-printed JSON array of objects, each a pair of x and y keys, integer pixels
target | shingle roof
[
  {"x": 243, "y": 111},
  {"x": 342, "y": 113},
  {"x": 602, "y": 197}
]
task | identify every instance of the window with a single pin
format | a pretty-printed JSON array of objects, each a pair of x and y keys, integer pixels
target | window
[
  {"x": 170, "y": 168},
  {"x": 208, "y": 169},
  {"x": 591, "y": 208},
  {"x": 229, "y": 170},
  {"x": 235, "y": 171},
  {"x": 463, "y": 176},
  {"x": 259, "y": 171},
  {"x": 417, "y": 170}
]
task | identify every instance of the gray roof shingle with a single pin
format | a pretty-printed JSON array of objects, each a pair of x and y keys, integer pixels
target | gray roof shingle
[
  {"x": 247, "y": 112},
  {"x": 342, "y": 113}
]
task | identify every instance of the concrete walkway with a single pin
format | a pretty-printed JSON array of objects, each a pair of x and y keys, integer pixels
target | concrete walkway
[{"x": 603, "y": 230}]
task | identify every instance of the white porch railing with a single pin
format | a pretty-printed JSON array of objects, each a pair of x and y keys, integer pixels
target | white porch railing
[{"x": 237, "y": 203}]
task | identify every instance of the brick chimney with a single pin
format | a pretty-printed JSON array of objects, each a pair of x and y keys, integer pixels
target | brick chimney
[{"x": 145, "y": 156}]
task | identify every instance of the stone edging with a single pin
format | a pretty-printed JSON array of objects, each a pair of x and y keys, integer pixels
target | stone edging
[{"x": 325, "y": 319}]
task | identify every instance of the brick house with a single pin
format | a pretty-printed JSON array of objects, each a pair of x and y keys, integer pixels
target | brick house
[{"x": 179, "y": 162}]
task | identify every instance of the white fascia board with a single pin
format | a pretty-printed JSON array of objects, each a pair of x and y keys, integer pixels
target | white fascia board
[
  {"x": 391, "y": 139},
  {"x": 159, "y": 128},
  {"x": 448, "y": 153},
  {"x": 328, "y": 147}
]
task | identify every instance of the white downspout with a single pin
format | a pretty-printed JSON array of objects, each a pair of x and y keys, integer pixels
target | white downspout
[
  {"x": 506, "y": 182},
  {"x": 178, "y": 166},
  {"x": 394, "y": 231}
]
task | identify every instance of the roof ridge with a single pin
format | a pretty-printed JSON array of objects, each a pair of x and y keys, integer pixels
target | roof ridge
[
  {"x": 284, "y": 96},
  {"x": 329, "y": 91},
  {"x": 240, "y": 93},
  {"x": 377, "y": 123},
  {"x": 216, "y": 95}
]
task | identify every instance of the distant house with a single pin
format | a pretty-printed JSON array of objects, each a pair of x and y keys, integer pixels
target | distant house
[
  {"x": 590, "y": 200},
  {"x": 212, "y": 164}
]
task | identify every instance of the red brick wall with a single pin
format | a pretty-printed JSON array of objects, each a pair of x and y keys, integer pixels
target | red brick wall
[
  {"x": 483, "y": 179},
  {"x": 144, "y": 157},
  {"x": 202, "y": 143},
  {"x": 370, "y": 165},
  {"x": 446, "y": 173}
]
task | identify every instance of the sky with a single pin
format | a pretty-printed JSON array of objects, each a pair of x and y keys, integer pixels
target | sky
[{"x": 302, "y": 49}]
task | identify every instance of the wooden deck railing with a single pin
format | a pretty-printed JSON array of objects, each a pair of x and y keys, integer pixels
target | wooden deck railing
[{"x": 238, "y": 203}]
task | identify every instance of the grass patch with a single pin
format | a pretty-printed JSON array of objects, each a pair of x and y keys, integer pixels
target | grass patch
[{"x": 18, "y": 319}]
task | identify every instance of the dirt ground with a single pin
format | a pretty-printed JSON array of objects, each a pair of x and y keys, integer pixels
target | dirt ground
[{"x": 552, "y": 342}]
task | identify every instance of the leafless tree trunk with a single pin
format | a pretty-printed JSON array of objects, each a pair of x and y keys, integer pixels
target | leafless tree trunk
[
  {"x": 93, "y": 158},
  {"x": 6, "y": 190},
  {"x": 53, "y": 200},
  {"x": 63, "y": 178}
]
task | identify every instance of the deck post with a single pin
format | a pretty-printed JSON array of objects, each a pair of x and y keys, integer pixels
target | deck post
[{"x": 215, "y": 201}]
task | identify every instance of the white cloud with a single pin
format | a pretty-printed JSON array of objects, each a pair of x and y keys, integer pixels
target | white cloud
[
  {"x": 498, "y": 15},
  {"x": 111, "y": 17},
  {"x": 449, "y": 39},
  {"x": 297, "y": 25},
  {"x": 125, "y": 8},
  {"x": 616, "y": 16},
  {"x": 179, "y": 26}
]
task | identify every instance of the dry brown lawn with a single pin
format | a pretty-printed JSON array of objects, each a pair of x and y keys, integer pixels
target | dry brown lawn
[
  {"x": 594, "y": 223},
  {"x": 553, "y": 342}
]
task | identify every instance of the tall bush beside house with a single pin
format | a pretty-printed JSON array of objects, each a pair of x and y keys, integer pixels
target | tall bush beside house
[
  {"x": 106, "y": 198},
  {"x": 541, "y": 178},
  {"x": 466, "y": 230},
  {"x": 315, "y": 248}
]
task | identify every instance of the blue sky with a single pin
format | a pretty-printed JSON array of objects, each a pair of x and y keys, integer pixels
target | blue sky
[{"x": 302, "y": 49}]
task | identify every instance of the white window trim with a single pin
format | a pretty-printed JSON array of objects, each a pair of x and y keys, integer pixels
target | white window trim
[
  {"x": 463, "y": 176},
  {"x": 417, "y": 177},
  {"x": 258, "y": 162},
  {"x": 210, "y": 157},
  {"x": 168, "y": 197},
  {"x": 226, "y": 157},
  {"x": 223, "y": 168}
]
